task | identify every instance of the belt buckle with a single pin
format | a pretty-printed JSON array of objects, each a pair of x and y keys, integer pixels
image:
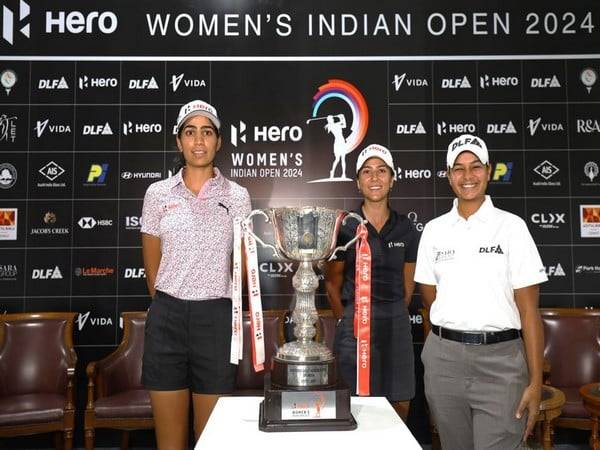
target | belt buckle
[{"x": 474, "y": 338}]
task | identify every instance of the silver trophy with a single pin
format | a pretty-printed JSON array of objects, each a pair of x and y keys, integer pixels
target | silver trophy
[{"x": 306, "y": 234}]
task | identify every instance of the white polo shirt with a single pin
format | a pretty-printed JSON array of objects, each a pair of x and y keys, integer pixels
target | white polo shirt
[{"x": 475, "y": 265}]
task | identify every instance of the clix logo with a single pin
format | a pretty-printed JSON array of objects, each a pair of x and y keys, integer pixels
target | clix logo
[{"x": 8, "y": 22}]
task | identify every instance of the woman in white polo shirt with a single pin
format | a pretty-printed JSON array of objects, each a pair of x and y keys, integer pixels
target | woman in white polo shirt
[
  {"x": 187, "y": 234},
  {"x": 479, "y": 271}
]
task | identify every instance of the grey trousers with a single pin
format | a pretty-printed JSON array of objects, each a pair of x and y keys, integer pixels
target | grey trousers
[{"x": 473, "y": 392}]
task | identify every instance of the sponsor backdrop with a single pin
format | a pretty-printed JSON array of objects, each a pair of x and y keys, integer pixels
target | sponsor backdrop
[{"x": 89, "y": 96}]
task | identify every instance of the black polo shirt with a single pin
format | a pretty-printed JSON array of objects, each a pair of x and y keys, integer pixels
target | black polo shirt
[{"x": 396, "y": 244}]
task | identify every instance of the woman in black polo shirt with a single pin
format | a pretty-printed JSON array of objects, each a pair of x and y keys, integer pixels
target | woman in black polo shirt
[{"x": 393, "y": 241}]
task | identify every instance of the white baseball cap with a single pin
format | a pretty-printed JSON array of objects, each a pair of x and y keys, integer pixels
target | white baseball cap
[
  {"x": 467, "y": 143},
  {"x": 375, "y": 151},
  {"x": 197, "y": 108}
]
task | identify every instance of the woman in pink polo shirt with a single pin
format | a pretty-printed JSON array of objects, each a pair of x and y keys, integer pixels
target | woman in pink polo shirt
[{"x": 187, "y": 240}]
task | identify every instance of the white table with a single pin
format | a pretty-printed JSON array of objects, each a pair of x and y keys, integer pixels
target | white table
[{"x": 234, "y": 422}]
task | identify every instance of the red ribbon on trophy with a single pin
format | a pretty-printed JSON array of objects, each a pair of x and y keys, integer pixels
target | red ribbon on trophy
[
  {"x": 255, "y": 304},
  {"x": 362, "y": 311},
  {"x": 237, "y": 336}
]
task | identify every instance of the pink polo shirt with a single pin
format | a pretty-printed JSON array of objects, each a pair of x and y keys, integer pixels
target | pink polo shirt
[{"x": 196, "y": 234}]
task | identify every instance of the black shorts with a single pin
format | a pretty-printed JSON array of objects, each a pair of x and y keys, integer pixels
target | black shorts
[{"x": 187, "y": 345}]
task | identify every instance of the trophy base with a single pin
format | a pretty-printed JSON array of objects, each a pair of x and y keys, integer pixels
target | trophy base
[
  {"x": 303, "y": 376},
  {"x": 318, "y": 410}
]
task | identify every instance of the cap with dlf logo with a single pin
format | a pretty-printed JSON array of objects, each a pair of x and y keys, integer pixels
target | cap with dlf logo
[{"x": 467, "y": 143}]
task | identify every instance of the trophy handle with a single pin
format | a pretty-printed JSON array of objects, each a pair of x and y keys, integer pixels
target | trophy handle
[
  {"x": 246, "y": 224},
  {"x": 351, "y": 241}
]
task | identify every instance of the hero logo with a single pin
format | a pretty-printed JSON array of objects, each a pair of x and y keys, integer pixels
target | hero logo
[
  {"x": 131, "y": 128},
  {"x": 85, "y": 82},
  {"x": 501, "y": 128},
  {"x": 193, "y": 83},
  {"x": 486, "y": 81},
  {"x": 54, "y": 83},
  {"x": 555, "y": 271},
  {"x": 97, "y": 130},
  {"x": 548, "y": 220},
  {"x": 76, "y": 22},
  {"x": 263, "y": 133},
  {"x": 134, "y": 273},
  {"x": 8, "y": 17},
  {"x": 144, "y": 83},
  {"x": 403, "y": 128},
  {"x": 410, "y": 82},
  {"x": 42, "y": 125},
  {"x": 545, "y": 82},
  {"x": 46, "y": 274},
  {"x": 413, "y": 174},
  {"x": 588, "y": 126},
  {"x": 534, "y": 124},
  {"x": 458, "y": 128},
  {"x": 456, "y": 83},
  {"x": 94, "y": 321}
]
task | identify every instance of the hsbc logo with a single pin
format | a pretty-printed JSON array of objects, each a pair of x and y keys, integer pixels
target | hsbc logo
[
  {"x": 82, "y": 319},
  {"x": 53, "y": 83},
  {"x": 588, "y": 126},
  {"x": 412, "y": 128},
  {"x": 141, "y": 128},
  {"x": 87, "y": 223},
  {"x": 535, "y": 124},
  {"x": 276, "y": 269},
  {"x": 188, "y": 83},
  {"x": 485, "y": 81},
  {"x": 85, "y": 82},
  {"x": 264, "y": 133},
  {"x": 555, "y": 271},
  {"x": 10, "y": 22},
  {"x": 134, "y": 273},
  {"x": 43, "y": 125},
  {"x": 545, "y": 82},
  {"x": 46, "y": 274},
  {"x": 97, "y": 130},
  {"x": 548, "y": 220},
  {"x": 501, "y": 128},
  {"x": 399, "y": 80},
  {"x": 456, "y": 83},
  {"x": 144, "y": 83},
  {"x": 458, "y": 128}
]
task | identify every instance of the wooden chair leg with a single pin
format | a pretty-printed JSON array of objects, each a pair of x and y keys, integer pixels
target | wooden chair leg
[
  {"x": 125, "y": 440},
  {"x": 58, "y": 440},
  {"x": 68, "y": 437},
  {"x": 89, "y": 438}
]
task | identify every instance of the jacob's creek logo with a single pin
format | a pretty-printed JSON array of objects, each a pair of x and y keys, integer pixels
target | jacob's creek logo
[
  {"x": 87, "y": 223},
  {"x": 277, "y": 269},
  {"x": 8, "y": 128},
  {"x": 502, "y": 172},
  {"x": 97, "y": 175},
  {"x": 53, "y": 83},
  {"x": 588, "y": 126},
  {"x": 403, "y": 80},
  {"x": 410, "y": 128},
  {"x": 97, "y": 130},
  {"x": 455, "y": 128},
  {"x": 143, "y": 83},
  {"x": 130, "y": 128},
  {"x": 47, "y": 274},
  {"x": 548, "y": 220},
  {"x": 497, "y": 249},
  {"x": 82, "y": 320},
  {"x": 86, "y": 82},
  {"x": 548, "y": 82},
  {"x": 546, "y": 170},
  {"x": 45, "y": 125},
  {"x": 8, "y": 272},
  {"x": 176, "y": 82},
  {"x": 126, "y": 175},
  {"x": 49, "y": 219},
  {"x": 94, "y": 271},
  {"x": 134, "y": 273},
  {"x": 456, "y": 83},
  {"x": 486, "y": 81},
  {"x": 555, "y": 271},
  {"x": 501, "y": 128},
  {"x": 536, "y": 125},
  {"x": 8, "y": 175},
  {"x": 133, "y": 222}
]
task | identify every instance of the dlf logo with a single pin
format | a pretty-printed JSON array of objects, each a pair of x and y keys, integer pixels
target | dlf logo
[
  {"x": 8, "y": 22},
  {"x": 238, "y": 133}
]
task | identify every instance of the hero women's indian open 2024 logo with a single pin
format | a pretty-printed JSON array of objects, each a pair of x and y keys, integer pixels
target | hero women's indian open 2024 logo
[{"x": 337, "y": 126}]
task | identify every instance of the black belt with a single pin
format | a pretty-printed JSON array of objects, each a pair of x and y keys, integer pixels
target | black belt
[{"x": 475, "y": 337}]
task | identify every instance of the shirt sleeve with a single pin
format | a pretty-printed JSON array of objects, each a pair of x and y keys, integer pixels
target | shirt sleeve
[
  {"x": 525, "y": 265},
  {"x": 151, "y": 213},
  {"x": 424, "y": 272},
  {"x": 413, "y": 244}
]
